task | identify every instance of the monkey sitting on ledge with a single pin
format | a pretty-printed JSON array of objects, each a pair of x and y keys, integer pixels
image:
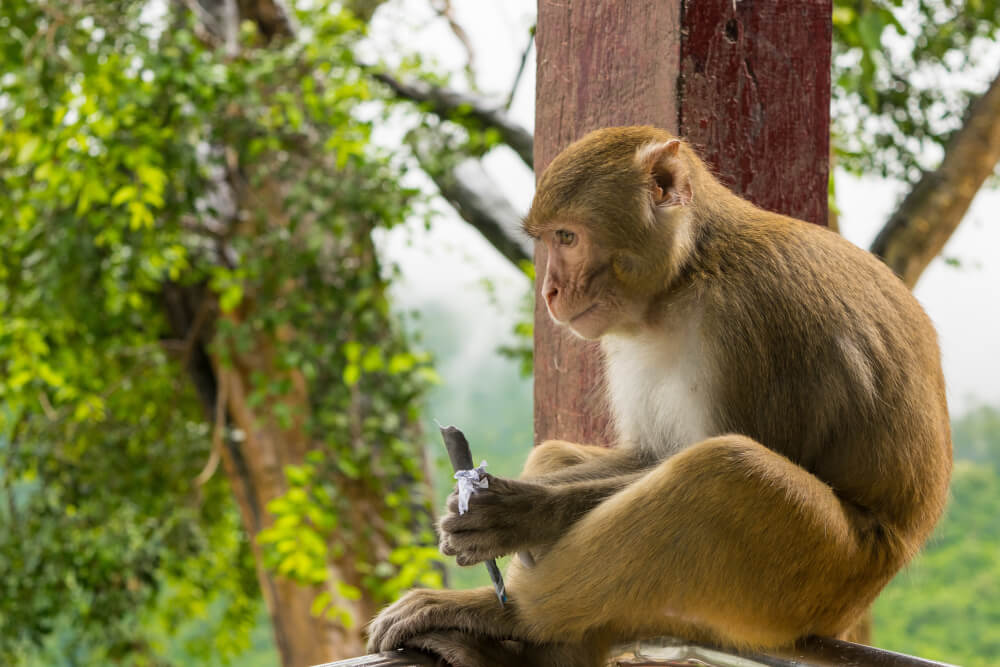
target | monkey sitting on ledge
[{"x": 783, "y": 438}]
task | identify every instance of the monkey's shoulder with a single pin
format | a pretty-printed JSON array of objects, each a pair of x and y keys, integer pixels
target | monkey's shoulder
[{"x": 796, "y": 267}]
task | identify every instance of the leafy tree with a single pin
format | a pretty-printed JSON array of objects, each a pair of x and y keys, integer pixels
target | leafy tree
[{"x": 187, "y": 278}]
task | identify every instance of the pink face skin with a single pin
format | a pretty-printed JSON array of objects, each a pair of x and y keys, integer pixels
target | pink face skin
[{"x": 579, "y": 286}]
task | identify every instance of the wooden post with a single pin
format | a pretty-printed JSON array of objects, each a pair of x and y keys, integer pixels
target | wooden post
[{"x": 747, "y": 82}]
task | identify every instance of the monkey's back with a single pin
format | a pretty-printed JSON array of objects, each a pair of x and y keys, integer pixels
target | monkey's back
[{"x": 823, "y": 355}]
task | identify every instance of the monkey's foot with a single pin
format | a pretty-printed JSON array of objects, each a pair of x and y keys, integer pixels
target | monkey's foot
[
  {"x": 414, "y": 614},
  {"x": 422, "y": 611},
  {"x": 460, "y": 649}
]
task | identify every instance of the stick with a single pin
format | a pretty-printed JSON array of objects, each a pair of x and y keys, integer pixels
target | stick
[{"x": 461, "y": 459}]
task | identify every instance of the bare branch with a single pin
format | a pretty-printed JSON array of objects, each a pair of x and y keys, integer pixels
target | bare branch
[
  {"x": 444, "y": 102},
  {"x": 469, "y": 189},
  {"x": 520, "y": 68},
  {"x": 931, "y": 212},
  {"x": 445, "y": 10}
]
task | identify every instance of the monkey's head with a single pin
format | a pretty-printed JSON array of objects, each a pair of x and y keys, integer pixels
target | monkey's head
[{"x": 613, "y": 212}]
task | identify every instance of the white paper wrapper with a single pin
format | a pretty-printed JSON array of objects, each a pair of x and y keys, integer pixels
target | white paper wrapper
[{"x": 468, "y": 482}]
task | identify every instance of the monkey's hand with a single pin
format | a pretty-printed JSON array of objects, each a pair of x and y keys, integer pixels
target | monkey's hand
[{"x": 508, "y": 516}]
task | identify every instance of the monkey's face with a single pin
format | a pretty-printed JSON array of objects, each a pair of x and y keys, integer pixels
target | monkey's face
[
  {"x": 579, "y": 285},
  {"x": 612, "y": 211}
]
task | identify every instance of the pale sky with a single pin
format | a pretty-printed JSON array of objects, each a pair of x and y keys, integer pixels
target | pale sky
[{"x": 450, "y": 260}]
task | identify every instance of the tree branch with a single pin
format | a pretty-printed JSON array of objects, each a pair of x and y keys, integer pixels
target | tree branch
[
  {"x": 520, "y": 68},
  {"x": 931, "y": 212},
  {"x": 445, "y": 102},
  {"x": 469, "y": 189},
  {"x": 445, "y": 11}
]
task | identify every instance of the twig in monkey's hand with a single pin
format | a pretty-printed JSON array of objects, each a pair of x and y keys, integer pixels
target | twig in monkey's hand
[{"x": 469, "y": 480}]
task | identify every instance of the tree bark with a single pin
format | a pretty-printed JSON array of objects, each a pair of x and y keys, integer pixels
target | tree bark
[{"x": 933, "y": 209}]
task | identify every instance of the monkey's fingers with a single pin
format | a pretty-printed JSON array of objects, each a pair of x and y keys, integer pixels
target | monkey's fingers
[
  {"x": 475, "y": 539},
  {"x": 470, "y": 548}
]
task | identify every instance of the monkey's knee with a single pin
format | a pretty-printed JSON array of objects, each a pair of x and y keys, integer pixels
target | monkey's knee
[
  {"x": 735, "y": 459},
  {"x": 554, "y": 455}
]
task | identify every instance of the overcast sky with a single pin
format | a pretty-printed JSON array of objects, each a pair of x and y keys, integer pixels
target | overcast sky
[{"x": 449, "y": 261}]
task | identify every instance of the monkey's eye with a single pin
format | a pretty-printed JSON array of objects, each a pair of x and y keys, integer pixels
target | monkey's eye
[{"x": 565, "y": 237}]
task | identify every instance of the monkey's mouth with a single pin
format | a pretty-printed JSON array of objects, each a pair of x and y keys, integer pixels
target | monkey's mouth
[{"x": 582, "y": 313}]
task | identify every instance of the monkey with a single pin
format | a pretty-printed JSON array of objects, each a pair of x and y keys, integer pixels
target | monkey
[{"x": 782, "y": 437}]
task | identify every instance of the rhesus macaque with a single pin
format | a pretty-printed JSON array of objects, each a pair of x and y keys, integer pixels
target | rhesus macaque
[{"x": 783, "y": 439}]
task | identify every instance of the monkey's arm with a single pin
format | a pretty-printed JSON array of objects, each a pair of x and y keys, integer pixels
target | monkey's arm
[
  {"x": 514, "y": 515},
  {"x": 561, "y": 482}
]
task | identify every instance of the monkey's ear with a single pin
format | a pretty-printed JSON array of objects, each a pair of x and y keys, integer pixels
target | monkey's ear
[{"x": 671, "y": 182}]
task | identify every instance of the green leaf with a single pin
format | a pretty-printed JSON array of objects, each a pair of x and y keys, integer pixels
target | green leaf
[
  {"x": 352, "y": 373},
  {"x": 348, "y": 592},
  {"x": 349, "y": 468},
  {"x": 231, "y": 297},
  {"x": 401, "y": 362},
  {"x": 352, "y": 351},
  {"x": 124, "y": 194},
  {"x": 320, "y": 603},
  {"x": 28, "y": 150},
  {"x": 373, "y": 360}
]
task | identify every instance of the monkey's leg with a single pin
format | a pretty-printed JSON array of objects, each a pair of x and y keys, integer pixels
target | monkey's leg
[
  {"x": 726, "y": 540},
  {"x": 555, "y": 456}
]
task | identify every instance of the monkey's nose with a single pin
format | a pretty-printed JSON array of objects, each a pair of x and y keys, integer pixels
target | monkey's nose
[{"x": 550, "y": 294}]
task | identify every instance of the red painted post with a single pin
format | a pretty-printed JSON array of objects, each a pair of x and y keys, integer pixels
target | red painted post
[
  {"x": 748, "y": 82},
  {"x": 756, "y": 99}
]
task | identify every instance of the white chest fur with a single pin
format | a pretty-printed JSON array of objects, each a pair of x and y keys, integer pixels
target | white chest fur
[{"x": 658, "y": 388}]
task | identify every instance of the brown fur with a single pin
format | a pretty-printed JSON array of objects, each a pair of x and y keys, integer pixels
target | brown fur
[{"x": 824, "y": 461}]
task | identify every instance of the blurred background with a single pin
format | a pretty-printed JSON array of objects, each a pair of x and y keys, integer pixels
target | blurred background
[{"x": 250, "y": 250}]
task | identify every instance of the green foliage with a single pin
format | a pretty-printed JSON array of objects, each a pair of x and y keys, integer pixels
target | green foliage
[
  {"x": 977, "y": 436},
  {"x": 134, "y": 158},
  {"x": 891, "y": 112},
  {"x": 946, "y": 605}
]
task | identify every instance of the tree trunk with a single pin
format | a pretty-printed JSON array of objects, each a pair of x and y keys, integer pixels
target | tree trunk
[
  {"x": 933, "y": 209},
  {"x": 255, "y": 467}
]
